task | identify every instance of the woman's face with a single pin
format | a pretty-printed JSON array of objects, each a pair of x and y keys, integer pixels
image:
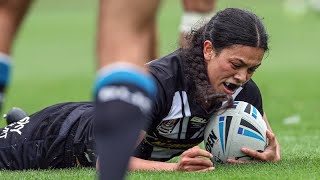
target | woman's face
[{"x": 232, "y": 67}]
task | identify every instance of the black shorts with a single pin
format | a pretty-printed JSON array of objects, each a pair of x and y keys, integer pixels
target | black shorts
[{"x": 43, "y": 140}]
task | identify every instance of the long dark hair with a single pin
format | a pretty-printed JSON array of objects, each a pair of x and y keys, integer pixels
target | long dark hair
[{"x": 229, "y": 27}]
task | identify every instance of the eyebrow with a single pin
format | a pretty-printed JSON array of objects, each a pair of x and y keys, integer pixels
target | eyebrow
[{"x": 242, "y": 62}]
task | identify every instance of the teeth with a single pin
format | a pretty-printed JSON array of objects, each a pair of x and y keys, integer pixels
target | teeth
[{"x": 231, "y": 86}]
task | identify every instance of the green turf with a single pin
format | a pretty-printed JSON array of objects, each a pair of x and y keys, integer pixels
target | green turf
[{"x": 54, "y": 62}]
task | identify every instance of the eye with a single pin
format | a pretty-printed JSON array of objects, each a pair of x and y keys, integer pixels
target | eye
[
  {"x": 235, "y": 65},
  {"x": 252, "y": 70}
]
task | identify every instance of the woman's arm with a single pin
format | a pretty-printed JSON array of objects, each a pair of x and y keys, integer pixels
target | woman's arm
[
  {"x": 137, "y": 164},
  {"x": 193, "y": 159},
  {"x": 190, "y": 160}
]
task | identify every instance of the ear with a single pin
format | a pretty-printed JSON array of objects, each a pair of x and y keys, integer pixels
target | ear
[{"x": 207, "y": 50}]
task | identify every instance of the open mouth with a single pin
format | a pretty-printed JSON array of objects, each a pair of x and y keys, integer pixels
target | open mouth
[{"x": 230, "y": 86}]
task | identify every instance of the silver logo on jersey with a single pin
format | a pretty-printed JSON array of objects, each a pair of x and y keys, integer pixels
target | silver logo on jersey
[{"x": 199, "y": 120}]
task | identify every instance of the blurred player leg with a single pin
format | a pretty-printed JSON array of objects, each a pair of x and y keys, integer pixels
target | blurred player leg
[
  {"x": 153, "y": 48},
  {"x": 314, "y": 5},
  {"x": 196, "y": 13},
  {"x": 4, "y": 76},
  {"x": 296, "y": 8},
  {"x": 124, "y": 89},
  {"x": 11, "y": 16}
]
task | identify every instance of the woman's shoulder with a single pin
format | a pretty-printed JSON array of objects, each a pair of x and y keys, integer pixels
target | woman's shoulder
[
  {"x": 167, "y": 62},
  {"x": 167, "y": 69}
]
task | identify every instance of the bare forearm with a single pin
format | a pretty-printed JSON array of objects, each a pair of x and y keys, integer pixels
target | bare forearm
[
  {"x": 137, "y": 164},
  {"x": 193, "y": 159}
]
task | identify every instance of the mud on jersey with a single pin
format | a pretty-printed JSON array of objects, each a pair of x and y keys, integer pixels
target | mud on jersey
[{"x": 176, "y": 122}]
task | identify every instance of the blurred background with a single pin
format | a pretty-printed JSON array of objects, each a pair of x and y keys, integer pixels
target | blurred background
[{"x": 54, "y": 61}]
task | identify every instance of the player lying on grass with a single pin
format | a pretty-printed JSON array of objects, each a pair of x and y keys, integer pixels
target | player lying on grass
[{"x": 218, "y": 63}]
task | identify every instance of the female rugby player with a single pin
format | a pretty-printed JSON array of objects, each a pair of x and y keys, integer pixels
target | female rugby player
[{"x": 193, "y": 82}]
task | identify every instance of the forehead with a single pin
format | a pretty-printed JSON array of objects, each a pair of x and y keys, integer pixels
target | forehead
[{"x": 247, "y": 54}]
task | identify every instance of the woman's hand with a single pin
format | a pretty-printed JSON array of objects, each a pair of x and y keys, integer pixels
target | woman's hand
[
  {"x": 271, "y": 153},
  {"x": 195, "y": 159}
]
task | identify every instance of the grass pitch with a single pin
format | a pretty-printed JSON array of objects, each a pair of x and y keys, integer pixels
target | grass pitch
[{"x": 54, "y": 62}]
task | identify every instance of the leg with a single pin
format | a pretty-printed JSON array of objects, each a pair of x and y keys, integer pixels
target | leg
[
  {"x": 123, "y": 88},
  {"x": 153, "y": 48},
  {"x": 11, "y": 15},
  {"x": 196, "y": 12}
]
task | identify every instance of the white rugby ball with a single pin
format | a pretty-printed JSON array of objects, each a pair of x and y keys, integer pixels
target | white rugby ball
[{"x": 230, "y": 130}]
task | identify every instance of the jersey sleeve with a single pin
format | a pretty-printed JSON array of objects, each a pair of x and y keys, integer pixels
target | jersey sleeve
[
  {"x": 157, "y": 106},
  {"x": 165, "y": 73},
  {"x": 251, "y": 94}
]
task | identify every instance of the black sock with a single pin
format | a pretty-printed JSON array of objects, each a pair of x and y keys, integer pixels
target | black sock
[
  {"x": 123, "y": 99},
  {"x": 120, "y": 115}
]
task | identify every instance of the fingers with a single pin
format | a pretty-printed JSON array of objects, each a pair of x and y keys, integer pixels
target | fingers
[
  {"x": 233, "y": 161},
  {"x": 207, "y": 169},
  {"x": 196, "y": 151},
  {"x": 271, "y": 153},
  {"x": 195, "y": 164},
  {"x": 192, "y": 160},
  {"x": 186, "y": 161},
  {"x": 197, "y": 168},
  {"x": 271, "y": 137},
  {"x": 255, "y": 154},
  {"x": 267, "y": 154}
]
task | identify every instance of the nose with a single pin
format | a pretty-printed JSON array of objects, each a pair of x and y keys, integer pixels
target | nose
[{"x": 242, "y": 76}]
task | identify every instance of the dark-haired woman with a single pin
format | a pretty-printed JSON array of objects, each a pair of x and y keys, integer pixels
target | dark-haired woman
[
  {"x": 218, "y": 62},
  {"x": 193, "y": 82}
]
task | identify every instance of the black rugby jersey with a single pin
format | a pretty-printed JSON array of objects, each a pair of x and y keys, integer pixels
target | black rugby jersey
[
  {"x": 53, "y": 137},
  {"x": 177, "y": 122}
]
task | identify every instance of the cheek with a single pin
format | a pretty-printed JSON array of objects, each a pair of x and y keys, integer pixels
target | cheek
[
  {"x": 211, "y": 77},
  {"x": 222, "y": 70},
  {"x": 226, "y": 70},
  {"x": 215, "y": 71},
  {"x": 225, "y": 67},
  {"x": 210, "y": 73},
  {"x": 249, "y": 76},
  {"x": 215, "y": 76}
]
